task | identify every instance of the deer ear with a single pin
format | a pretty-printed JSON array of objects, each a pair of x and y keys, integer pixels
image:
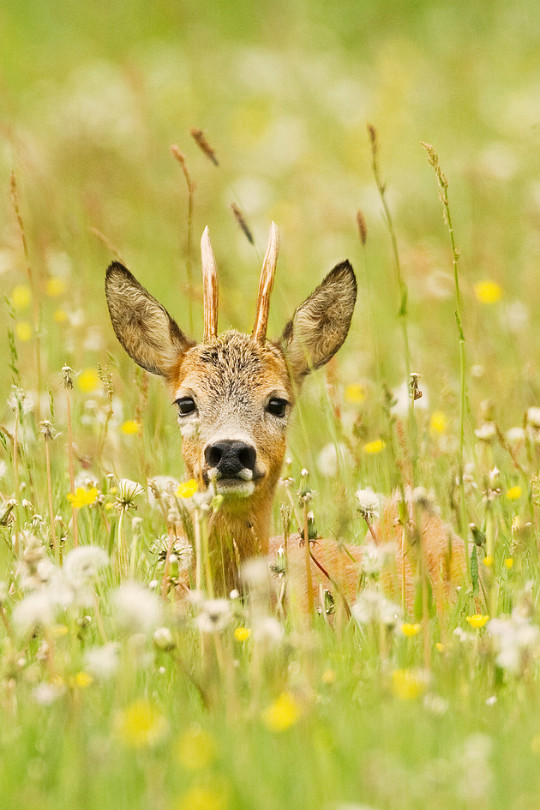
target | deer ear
[
  {"x": 144, "y": 328},
  {"x": 320, "y": 325}
]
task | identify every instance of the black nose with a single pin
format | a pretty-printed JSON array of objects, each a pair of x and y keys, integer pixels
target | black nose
[{"x": 229, "y": 457}]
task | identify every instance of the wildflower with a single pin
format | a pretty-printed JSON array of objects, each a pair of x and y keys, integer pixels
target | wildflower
[
  {"x": 59, "y": 315},
  {"x": 438, "y": 423},
  {"x": 435, "y": 704},
  {"x": 127, "y": 492},
  {"x": 267, "y": 630},
  {"x": 20, "y": 297},
  {"x": 355, "y": 393},
  {"x": 213, "y": 795},
  {"x": 23, "y": 331},
  {"x": 242, "y": 633},
  {"x": 488, "y": 561},
  {"x": 83, "y": 497},
  {"x": 330, "y": 458},
  {"x": 46, "y": 693},
  {"x": 477, "y": 620},
  {"x": 214, "y": 615},
  {"x": 55, "y": 286},
  {"x": 283, "y": 713},
  {"x": 187, "y": 489},
  {"x": 514, "y": 493},
  {"x": 369, "y": 503},
  {"x": 410, "y": 629},
  {"x": 515, "y": 435},
  {"x": 130, "y": 427},
  {"x": 88, "y": 380},
  {"x": 374, "y": 557},
  {"x": 533, "y": 417},
  {"x": 137, "y": 610},
  {"x": 486, "y": 432},
  {"x": 408, "y": 684},
  {"x": 82, "y": 565},
  {"x": 374, "y": 447},
  {"x": 196, "y": 749},
  {"x": 140, "y": 725},
  {"x": 508, "y": 563},
  {"x": 102, "y": 662},
  {"x": 81, "y": 680},
  {"x": 516, "y": 638},
  {"x": 20, "y": 400},
  {"x": 163, "y": 639},
  {"x": 488, "y": 291},
  {"x": 33, "y": 612},
  {"x": 373, "y": 606}
]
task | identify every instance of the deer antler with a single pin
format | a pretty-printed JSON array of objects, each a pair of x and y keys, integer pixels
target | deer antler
[
  {"x": 265, "y": 285},
  {"x": 210, "y": 288}
]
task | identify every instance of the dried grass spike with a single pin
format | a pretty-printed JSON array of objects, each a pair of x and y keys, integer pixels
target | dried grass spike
[{"x": 200, "y": 139}]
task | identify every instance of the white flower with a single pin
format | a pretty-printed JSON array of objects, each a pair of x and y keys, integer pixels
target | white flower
[
  {"x": 267, "y": 630},
  {"x": 486, "y": 432},
  {"x": 374, "y": 557},
  {"x": 34, "y": 611},
  {"x": 161, "y": 486},
  {"x": 533, "y": 417},
  {"x": 369, "y": 503},
  {"x": 515, "y": 639},
  {"x": 137, "y": 610},
  {"x": 255, "y": 574},
  {"x": 373, "y": 606},
  {"x": 20, "y": 399},
  {"x": 102, "y": 662},
  {"x": 214, "y": 615},
  {"x": 82, "y": 565},
  {"x": 46, "y": 693},
  {"x": 515, "y": 435},
  {"x": 331, "y": 458},
  {"x": 163, "y": 638},
  {"x": 127, "y": 492}
]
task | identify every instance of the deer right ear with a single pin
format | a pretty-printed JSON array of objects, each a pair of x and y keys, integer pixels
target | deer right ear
[
  {"x": 144, "y": 328},
  {"x": 320, "y": 325}
]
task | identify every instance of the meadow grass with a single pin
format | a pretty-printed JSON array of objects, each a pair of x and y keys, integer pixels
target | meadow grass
[{"x": 115, "y": 690}]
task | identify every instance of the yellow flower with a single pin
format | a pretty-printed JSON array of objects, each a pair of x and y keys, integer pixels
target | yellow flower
[
  {"x": 439, "y": 647},
  {"x": 187, "y": 489},
  {"x": 408, "y": 684},
  {"x": 140, "y": 725},
  {"x": 242, "y": 633},
  {"x": 60, "y": 316},
  {"x": 58, "y": 630},
  {"x": 196, "y": 749},
  {"x": 23, "y": 331},
  {"x": 130, "y": 427},
  {"x": 282, "y": 713},
  {"x": 410, "y": 629},
  {"x": 508, "y": 563},
  {"x": 88, "y": 380},
  {"x": 20, "y": 297},
  {"x": 488, "y": 561},
  {"x": 374, "y": 447},
  {"x": 212, "y": 796},
  {"x": 488, "y": 291},
  {"x": 513, "y": 493},
  {"x": 55, "y": 286},
  {"x": 82, "y": 497},
  {"x": 477, "y": 620},
  {"x": 328, "y": 676},
  {"x": 438, "y": 423},
  {"x": 82, "y": 680},
  {"x": 355, "y": 393}
]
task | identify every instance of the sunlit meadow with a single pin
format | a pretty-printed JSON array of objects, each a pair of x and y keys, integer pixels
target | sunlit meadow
[{"x": 403, "y": 137}]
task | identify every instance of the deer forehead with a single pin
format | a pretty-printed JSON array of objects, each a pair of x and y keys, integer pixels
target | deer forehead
[{"x": 232, "y": 369}]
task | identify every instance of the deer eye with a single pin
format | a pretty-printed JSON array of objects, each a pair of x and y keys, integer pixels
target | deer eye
[
  {"x": 277, "y": 407},
  {"x": 186, "y": 406}
]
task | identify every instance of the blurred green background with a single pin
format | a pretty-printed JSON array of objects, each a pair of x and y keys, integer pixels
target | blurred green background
[{"x": 93, "y": 95}]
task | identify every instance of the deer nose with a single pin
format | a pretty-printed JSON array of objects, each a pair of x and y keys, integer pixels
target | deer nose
[{"x": 230, "y": 457}]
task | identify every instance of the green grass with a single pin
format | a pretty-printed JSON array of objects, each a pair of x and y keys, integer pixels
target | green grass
[{"x": 93, "y": 96}]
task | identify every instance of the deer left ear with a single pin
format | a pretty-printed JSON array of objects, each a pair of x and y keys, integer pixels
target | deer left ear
[{"x": 320, "y": 325}]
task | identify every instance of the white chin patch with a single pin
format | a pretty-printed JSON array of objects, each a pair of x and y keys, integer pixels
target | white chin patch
[{"x": 233, "y": 487}]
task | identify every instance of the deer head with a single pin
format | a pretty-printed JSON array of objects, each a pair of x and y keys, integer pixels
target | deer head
[{"x": 234, "y": 391}]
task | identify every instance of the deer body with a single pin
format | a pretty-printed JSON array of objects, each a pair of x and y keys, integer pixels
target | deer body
[{"x": 234, "y": 394}]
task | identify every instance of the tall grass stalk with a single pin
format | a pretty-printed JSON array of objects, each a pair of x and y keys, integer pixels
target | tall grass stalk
[
  {"x": 181, "y": 158},
  {"x": 46, "y": 431},
  {"x": 67, "y": 375},
  {"x": 442, "y": 182}
]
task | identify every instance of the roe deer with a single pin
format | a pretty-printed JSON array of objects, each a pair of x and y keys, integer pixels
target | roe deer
[{"x": 234, "y": 394}]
